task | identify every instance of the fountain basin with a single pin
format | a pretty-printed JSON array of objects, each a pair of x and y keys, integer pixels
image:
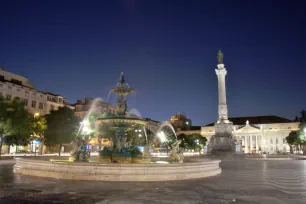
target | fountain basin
[{"x": 117, "y": 172}]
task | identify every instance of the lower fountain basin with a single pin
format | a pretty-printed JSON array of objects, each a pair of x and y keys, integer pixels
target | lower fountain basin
[{"x": 118, "y": 172}]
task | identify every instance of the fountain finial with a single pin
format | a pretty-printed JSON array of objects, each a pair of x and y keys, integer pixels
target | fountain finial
[{"x": 122, "y": 80}]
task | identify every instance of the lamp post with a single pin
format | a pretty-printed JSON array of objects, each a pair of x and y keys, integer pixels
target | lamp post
[{"x": 36, "y": 115}]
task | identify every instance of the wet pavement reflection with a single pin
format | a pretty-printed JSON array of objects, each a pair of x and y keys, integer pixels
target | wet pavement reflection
[{"x": 241, "y": 181}]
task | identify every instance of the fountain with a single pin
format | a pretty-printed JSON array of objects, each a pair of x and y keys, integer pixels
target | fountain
[
  {"x": 122, "y": 160},
  {"x": 119, "y": 125}
]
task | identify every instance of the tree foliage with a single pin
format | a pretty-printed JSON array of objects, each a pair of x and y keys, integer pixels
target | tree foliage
[
  {"x": 297, "y": 139},
  {"x": 39, "y": 125},
  {"x": 194, "y": 142},
  {"x": 62, "y": 126},
  {"x": 15, "y": 123}
]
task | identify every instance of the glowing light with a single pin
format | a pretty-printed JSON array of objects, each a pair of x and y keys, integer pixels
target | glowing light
[
  {"x": 139, "y": 130},
  {"x": 36, "y": 115},
  {"x": 85, "y": 129},
  {"x": 36, "y": 142},
  {"x": 161, "y": 136},
  {"x": 162, "y": 162},
  {"x": 139, "y": 135},
  {"x": 187, "y": 122},
  {"x": 85, "y": 126}
]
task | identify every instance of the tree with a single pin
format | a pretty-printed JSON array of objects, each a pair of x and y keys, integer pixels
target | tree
[
  {"x": 298, "y": 139},
  {"x": 39, "y": 125},
  {"x": 292, "y": 140},
  {"x": 15, "y": 123},
  {"x": 301, "y": 134},
  {"x": 62, "y": 127},
  {"x": 194, "y": 142}
]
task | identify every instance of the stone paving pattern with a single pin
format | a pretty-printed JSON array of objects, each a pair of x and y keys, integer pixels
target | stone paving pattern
[{"x": 241, "y": 181}]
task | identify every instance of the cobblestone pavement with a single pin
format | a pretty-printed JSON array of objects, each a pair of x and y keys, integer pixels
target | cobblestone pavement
[{"x": 242, "y": 181}]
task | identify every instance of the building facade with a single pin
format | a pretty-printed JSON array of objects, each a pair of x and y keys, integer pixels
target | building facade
[
  {"x": 83, "y": 106},
  {"x": 13, "y": 86},
  {"x": 259, "y": 134}
]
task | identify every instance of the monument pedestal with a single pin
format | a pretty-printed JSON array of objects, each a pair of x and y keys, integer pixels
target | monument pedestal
[{"x": 222, "y": 141}]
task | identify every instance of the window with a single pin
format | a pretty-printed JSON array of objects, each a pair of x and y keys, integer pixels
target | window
[
  {"x": 289, "y": 128},
  {"x": 41, "y": 96},
  {"x": 33, "y": 104},
  {"x": 26, "y": 92},
  {"x": 8, "y": 97},
  {"x": 15, "y": 81},
  {"x": 9, "y": 87},
  {"x": 34, "y": 94},
  {"x": 284, "y": 140},
  {"x": 41, "y": 105},
  {"x": 60, "y": 100},
  {"x": 1, "y": 94},
  {"x": 276, "y": 142},
  {"x": 1, "y": 85},
  {"x": 18, "y": 89},
  {"x": 1, "y": 77},
  {"x": 271, "y": 141},
  {"x": 17, "y": 98},
  {"x": 25, "y": 102},
  {"x": 52, "y": 107}
]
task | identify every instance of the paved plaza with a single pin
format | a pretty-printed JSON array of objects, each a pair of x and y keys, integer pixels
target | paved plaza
[{"x": 242, "y": 181}]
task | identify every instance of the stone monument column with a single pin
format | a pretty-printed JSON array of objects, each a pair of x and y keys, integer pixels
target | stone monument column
[
  {"x": 222, "y": 107},
  {"x": 222, "y": 140}
]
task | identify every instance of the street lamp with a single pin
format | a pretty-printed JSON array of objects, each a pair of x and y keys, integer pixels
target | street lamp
[{"x": 36, "y": 115}]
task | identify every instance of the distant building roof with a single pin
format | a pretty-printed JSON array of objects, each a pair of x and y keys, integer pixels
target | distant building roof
[
  {"x": 46, "y": 92},
  {"x": 257, "y": 120}
]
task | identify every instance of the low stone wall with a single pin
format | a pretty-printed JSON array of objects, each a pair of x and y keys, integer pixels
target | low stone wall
[{"x": 117, "y": 172}]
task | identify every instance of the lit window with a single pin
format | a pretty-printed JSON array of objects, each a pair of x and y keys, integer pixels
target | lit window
[
  {"x": 33, "y": 104},
  {"x": 8, "y": 97},
  {"x": 41, "y": 105}
]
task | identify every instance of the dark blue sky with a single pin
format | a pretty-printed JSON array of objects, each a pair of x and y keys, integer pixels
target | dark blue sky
[{"x": 167, "y": 50}]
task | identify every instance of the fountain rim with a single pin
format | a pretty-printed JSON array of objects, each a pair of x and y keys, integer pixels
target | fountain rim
[
  {"x": 118, "y": 89},
  {"x": 122, "y": 119}
]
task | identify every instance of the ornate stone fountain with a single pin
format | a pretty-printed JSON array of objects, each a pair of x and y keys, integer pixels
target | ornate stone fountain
[{"x": 122, "y": 151}]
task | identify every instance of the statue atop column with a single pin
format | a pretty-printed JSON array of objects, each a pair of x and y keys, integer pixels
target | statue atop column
[{"x": 220, "y": 57}]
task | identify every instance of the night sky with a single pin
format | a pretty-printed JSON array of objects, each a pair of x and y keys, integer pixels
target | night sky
[{"x": 167, "y": 50}]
